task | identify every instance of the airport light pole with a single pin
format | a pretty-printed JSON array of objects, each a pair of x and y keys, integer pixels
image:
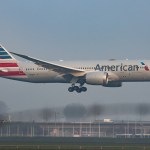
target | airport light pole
[{"x": 99, "y": 128}]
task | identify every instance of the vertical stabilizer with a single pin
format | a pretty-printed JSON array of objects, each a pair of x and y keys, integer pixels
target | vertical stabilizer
[
  {"x": 8, "y": 65},
  {"x": 5, "y": 55}
]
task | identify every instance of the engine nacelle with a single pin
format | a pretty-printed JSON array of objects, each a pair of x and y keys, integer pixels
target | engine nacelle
[
  {"x": 97, "y": 78},
  {"x": 113, "y": 84}
]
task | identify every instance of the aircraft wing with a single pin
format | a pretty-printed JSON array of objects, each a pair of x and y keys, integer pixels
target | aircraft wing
[{"x": 55, "y": 67}]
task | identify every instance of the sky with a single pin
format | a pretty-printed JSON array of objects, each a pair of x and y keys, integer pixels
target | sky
[{"x": 74, "y": 30}]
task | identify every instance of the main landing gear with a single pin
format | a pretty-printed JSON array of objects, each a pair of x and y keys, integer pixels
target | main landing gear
[{"x": 78, "y": 89}]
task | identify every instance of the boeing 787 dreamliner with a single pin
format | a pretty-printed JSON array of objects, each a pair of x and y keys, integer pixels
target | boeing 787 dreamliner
[{"x": 108, "y": 73}]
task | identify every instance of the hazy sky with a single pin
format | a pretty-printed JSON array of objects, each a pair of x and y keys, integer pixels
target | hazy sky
[{"x": 74, "y": 30}]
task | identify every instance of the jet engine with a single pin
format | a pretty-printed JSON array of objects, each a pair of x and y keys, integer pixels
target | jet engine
[{"x": 97, "y": 78}]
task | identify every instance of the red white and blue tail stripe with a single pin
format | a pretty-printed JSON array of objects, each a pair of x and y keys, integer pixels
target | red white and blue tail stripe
[
  {"x": 5, "y": 55},
  {"x": 8, "y": 65}
]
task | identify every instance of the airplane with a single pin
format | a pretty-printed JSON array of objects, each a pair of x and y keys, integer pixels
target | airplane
[{"x": 107, "y": 73}]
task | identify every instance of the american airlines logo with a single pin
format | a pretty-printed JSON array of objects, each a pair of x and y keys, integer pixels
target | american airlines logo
[
  {"x": 145, "y": 67},
  {"x": 120, "y": 67}
]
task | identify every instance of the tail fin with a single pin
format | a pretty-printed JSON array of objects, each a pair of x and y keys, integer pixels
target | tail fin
[
  {"x": 5, "y": 56},
  {"x": 8, "y": 65}
]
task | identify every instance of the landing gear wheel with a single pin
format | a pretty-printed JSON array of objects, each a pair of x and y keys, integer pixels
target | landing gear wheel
[
  {"x": 71, "y": 89},
  {"x": 84, "y": 89},
  {"x": 76, "y": 88},
  {"x": 79, "y": 90}
]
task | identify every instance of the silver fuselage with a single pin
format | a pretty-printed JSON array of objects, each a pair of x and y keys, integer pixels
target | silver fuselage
[{"x": 118, "y": 70}]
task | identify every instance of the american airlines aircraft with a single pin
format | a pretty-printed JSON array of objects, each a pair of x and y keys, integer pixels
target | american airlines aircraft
[{"x": 110, "y": 73}]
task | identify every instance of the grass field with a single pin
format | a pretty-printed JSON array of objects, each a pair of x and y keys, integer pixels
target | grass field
[
  {"x": 71, "y": 147},
  {"x": 50, "y": 143}
]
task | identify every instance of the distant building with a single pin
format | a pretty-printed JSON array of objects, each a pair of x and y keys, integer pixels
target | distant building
[{"x": 104, "y": 128}]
